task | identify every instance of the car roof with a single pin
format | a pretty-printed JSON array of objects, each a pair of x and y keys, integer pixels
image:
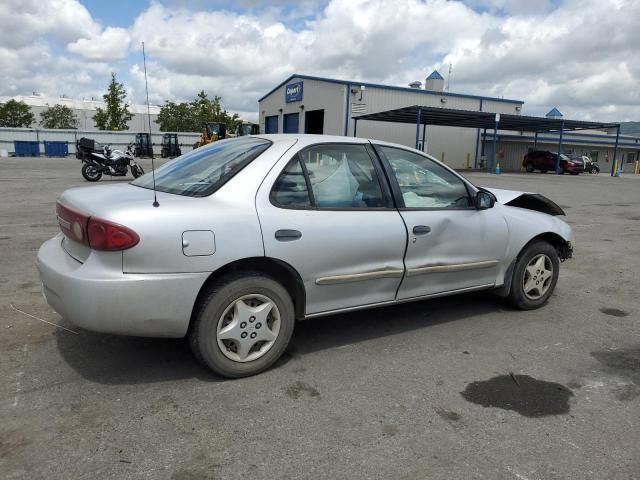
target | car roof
[{"x": 304, "y": 139}]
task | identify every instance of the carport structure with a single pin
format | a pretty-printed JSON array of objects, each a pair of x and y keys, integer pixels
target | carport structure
[{"x": 421, "y": 116}]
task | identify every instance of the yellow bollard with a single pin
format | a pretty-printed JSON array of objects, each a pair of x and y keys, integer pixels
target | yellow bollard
[
  {"x": 615, "y": 167},
  {"x": 635, "y": 170},
  {"x": 468, "y": 160}
]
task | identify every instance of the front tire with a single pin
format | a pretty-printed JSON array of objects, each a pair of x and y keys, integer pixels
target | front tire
[
  {"x": 242, "y": 324},
  {"x": 529, "y": 167},
  {"x": 137, "y": 171},
  {"x": 91, "y": 173},
  {"x": 534, "y": 276}
]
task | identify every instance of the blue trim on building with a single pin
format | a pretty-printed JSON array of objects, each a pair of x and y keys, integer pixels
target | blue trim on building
[
  {"x": 564, "y": 140},
  {"x": 602, "y": 135},
  {"x": 435, "y": 75},
  {"x": 388, "y": 87}
]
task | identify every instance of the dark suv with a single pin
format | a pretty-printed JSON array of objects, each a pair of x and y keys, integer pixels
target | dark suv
[{"x": 546, "y": 161}]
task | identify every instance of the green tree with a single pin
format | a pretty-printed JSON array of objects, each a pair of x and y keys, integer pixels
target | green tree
[
  {"x": 177, "y": 117},
  {"x": 116, "y": 113},
  {"x": 58, "y": 116},
  {"x": 16, "y": 114},
  {"x": 192, "y": 116}
]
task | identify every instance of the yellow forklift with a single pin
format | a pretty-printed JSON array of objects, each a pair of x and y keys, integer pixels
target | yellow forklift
[{"x": 211, "y": 132}]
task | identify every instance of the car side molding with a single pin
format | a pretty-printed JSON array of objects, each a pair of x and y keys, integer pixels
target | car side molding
[{"x": 456, "y": 267}]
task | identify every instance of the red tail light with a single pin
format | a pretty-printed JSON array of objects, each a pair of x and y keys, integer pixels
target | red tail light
[
  {"x": 95, "y": 232},
  {"x": 72, "y": 223},
  {"x": 105, "y": 235}
]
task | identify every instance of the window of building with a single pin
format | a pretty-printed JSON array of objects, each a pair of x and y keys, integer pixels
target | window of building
[{"x": 271, "y": 124}]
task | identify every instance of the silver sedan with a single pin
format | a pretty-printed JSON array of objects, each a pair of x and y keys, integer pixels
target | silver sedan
[{"x": 250, "y": 234}]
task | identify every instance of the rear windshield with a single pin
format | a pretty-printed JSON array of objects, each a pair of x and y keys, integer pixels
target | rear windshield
[{"x": 204, "y": 170}]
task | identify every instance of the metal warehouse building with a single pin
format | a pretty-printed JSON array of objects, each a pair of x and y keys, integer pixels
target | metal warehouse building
[
  {"x": 85, "y": 109},
  {"x": 307, "y": 104}
]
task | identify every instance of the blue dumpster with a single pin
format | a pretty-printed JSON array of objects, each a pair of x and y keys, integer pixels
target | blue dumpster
[
  {"x": 26, "y": 149},
  {"x": 56, "y": 149}
]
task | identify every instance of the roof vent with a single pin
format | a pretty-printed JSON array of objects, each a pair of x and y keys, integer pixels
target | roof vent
[
  {"x": 434, "y": 82},
  {"x": 416, "y": 84},
  {"x": 554, "y": 113}
]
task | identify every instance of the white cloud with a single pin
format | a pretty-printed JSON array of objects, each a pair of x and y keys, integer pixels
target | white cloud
[
  {"x": 111, "y": 43},
  {"x": 579, "y": 55},
  {"x": 24, "y": 21}
]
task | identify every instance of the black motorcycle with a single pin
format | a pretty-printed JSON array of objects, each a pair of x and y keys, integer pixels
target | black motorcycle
[{"x": 101, "y": 160}]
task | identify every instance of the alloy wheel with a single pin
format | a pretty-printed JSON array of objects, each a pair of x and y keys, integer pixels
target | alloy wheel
[
  {"x": 248, "y": 328},
  {"x": 538, "y": 276}
]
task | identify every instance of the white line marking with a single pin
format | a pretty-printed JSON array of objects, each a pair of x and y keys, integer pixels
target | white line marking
[{"x": 42, "y": 320}]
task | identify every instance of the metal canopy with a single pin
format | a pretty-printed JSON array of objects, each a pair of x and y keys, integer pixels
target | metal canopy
[
  {"x": 471, "y": 119},
  {"x": 449, "y": 117}
]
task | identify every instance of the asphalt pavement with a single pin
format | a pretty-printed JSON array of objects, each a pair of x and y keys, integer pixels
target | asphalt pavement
[{"x": 454, "y": 388}]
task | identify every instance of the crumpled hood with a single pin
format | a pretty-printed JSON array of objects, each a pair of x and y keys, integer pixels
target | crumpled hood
[{"x": 528, "y": 200}]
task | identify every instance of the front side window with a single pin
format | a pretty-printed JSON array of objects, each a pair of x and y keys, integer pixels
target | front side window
[
  {"x": 339, "y": 176},
  {"x": 425, "y": 184},
  {"x": 204, "y": 170}
]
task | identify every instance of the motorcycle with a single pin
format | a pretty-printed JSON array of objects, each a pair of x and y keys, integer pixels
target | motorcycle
[{"x": 98, "y": 161}]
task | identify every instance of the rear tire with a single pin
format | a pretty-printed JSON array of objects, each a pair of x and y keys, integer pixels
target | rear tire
[
  {"x": 230, "y": 344},
  {"x": 535, "y": 276},
  {"x": 594, "y": 170},
  {"x": 529, "y": 168},
  {"x": 91, "y": 173}
]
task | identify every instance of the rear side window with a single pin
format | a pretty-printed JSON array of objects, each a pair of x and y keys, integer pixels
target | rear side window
[
  {"x": 204, "y": 170},
  {"x": 290, "y": 190},
  {"x": 332, "y": 176}
]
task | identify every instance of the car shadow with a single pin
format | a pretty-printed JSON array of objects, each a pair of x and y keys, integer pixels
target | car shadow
[
  {"x": 350, "y": 328},
  {"x": 118, "y": 360}
]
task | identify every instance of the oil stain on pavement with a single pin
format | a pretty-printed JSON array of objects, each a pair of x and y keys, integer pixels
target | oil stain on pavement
[
  {"x": 299, "y": 389},
  {"x": 523, "y": 394},
  {"x": 614, "y": 312},
  {"x": 626, "y": 364}
]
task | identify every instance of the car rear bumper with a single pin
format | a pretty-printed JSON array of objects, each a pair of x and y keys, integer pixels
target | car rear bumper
[{"x": 95, "y": 296}]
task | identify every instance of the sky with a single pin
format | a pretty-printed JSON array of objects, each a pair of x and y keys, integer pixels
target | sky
[{"x": 582, "y": 56}]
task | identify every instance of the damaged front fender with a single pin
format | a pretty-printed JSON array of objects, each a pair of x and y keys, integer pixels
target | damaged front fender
[{"x": 530, "y": 201}]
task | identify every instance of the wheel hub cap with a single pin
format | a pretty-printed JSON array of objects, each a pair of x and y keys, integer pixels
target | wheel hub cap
[
  {"x": 248, "y": 328},
  {"x": 537, "y": 277}
]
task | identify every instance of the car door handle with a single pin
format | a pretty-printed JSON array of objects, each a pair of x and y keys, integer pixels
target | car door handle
[
  {"x": 421, "y": 230},
  {"x": 288, "y": 235}
]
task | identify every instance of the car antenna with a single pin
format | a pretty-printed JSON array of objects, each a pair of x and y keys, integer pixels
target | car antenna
[{"x": 153, "y": 167}]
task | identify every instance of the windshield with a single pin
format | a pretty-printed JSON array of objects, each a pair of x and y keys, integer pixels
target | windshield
[{"x": 204, "y": 170}]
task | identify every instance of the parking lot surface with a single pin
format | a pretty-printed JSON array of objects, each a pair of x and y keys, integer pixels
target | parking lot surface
[{"x": 453, "y": 388}]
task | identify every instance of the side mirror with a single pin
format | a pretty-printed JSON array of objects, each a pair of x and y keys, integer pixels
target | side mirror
[{"x": 484, "y": 200}]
